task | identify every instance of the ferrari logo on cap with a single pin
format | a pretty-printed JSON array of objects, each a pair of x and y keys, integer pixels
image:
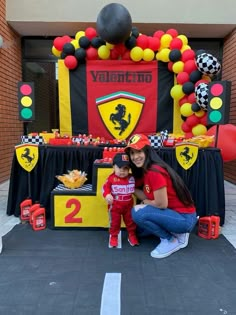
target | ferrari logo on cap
[
  {"x": 134, "y": 139},
  {"x": 186, "y": 154},
  {"x": 27, "y": 156}
]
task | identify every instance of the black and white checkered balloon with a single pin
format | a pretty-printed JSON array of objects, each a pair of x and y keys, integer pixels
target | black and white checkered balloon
[
  {"x": 208, "y": 64},
  {"x": 201, "y": 92}
]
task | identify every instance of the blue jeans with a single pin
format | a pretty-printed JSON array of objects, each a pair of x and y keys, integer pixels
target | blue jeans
[{"x": 163, "y": 222}]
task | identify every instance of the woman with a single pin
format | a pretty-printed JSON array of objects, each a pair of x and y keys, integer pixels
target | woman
[{"x": 167, "y": 209}]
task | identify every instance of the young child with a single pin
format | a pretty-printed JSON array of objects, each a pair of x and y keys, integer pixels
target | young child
[{"x": 117, "y": 191}]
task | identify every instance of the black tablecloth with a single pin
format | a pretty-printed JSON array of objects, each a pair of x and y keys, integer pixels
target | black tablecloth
[{"x": 205, "y": 178}]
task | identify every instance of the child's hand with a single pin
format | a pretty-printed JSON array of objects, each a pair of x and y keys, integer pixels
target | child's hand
[{"x": 109, "y": 199}]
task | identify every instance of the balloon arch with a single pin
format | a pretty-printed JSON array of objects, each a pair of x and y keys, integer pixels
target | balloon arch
[{"x": 116, "y": 39}]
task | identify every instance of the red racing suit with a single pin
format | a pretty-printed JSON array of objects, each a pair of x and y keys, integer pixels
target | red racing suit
[{"x": 121, "y": 189}]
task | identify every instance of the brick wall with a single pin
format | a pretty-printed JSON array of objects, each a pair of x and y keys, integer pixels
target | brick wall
[
  {"x": 10, "y": 73},
  {"x": 229, "y": 73}
]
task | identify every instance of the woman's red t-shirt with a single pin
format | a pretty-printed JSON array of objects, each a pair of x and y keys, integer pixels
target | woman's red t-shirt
[{"x": 154, "y": 180}]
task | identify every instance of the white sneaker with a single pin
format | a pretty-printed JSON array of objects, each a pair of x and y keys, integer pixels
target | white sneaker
[
  {"x": 166, "y": 248},
  {"x": 182, "y": 239}
]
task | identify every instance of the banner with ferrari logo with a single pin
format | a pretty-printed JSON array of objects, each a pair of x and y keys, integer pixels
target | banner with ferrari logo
[
  {"x": 115, "y": 98},
  {"x": 27, "y": 156},
  {"x": 186, "y": 154}
]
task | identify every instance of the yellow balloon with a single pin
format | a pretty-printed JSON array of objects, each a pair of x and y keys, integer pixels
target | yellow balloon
[
  {"x": 136, "y": 54},
  {"x": 200, "y": 113},
  {"x": 199, "y": 130},
  {"x": 56, "y": 52},
  {"x": 75, "y": 43},
  {"x": 178, "y": 66},
  {"x": 104, "y": 52},
  {"x": 148, "y": 54},
  {"x": 110, "y": 46},
  {"x": 79, "y": 34},
  {"x": 165, "y": 40},
  {"x": 185, "y": 47},
  {"x": 176, "y": 92},
  {"x": 186, "y": 109},
  {"x": 184, "y": 39},
  {"x": 163, "y": 55}
]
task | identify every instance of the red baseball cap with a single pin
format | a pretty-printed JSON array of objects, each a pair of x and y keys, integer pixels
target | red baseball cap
[{"x": 138, "y": 142}]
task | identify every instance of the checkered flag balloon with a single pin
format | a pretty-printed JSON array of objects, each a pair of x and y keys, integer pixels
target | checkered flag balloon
[
  {"x": 208, "y": 64},
  {"x": 201, "y": 92}
]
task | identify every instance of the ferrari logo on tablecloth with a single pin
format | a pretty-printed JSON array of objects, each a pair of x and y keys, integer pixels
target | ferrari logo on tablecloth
[
  {"x": 186, "y": 154},
  {"x": 27, "y": 156},
  {"x": 120, "y": 113}
]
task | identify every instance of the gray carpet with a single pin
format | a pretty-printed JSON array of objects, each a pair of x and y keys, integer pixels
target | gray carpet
[{"x": 62, "y": 272}]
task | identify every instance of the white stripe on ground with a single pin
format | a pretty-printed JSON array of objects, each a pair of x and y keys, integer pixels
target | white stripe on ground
[{"x": 110, "y": 303}]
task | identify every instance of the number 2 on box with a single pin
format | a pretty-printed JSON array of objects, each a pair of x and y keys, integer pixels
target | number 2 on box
[{"x": 70, "y": 218}]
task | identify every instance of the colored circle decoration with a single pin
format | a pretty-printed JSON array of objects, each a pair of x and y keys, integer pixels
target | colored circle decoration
[{"x": 26, "y": 89}]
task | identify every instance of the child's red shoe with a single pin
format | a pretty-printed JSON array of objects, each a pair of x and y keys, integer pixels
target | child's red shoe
[
  {"x": 132, "y": 239},
  {"x": 113, "y": 242}
]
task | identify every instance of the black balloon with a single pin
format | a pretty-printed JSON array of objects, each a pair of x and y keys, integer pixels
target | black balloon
[
  {"x": 114, "y": 23},
  {"x": 195, "y": 76},
  {"x": 195, "y": 107},
  {"x": 84, "y": 42},
  {"x": 130, "y": 42},
  {"x": 199, "y": 52},
  {"x": 135, "y": 31},
  {"x": 80, "y": 54},
  {"x": 96, "y": 42},
  {"x": 175, "y": 55},
  {"x": 188, "y": 88},
  {"x": 68, "y": 49}
]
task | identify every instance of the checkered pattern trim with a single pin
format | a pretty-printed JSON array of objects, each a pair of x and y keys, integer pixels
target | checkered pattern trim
[
  {"x": 157, "y": 140},
  {"x": 61, "y": 187},
  {"x": 32, "y": 139}
]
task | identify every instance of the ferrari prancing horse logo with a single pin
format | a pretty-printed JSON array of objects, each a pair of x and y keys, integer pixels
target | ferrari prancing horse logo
[
  {"x": 186, "y": 154},
  {"x": 27, "y": 155}
]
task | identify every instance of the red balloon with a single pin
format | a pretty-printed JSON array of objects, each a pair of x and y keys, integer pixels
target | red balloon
[
  {"x": 188, "y": 135},
  {"x": 90, "y": 32},
  {"x": 182, "y": 77},
  {"x": 170, "y": 66},
  {"x": 142, "y": 41},
  {"x": 58, "y": 43},
  {"x": 92, "y": 53},
  {"x": 126, "y": 55},
  {"x": 71, "y": 62},
  {"x": 172, "y": 32},
  {"x": 192, "y": 121},
  {"x": 203, "y": 119},
  {"x": 192, "y": 98},
  {"x": 185, "y": 127},
  {"x": 154, "y": 43},
  {"x": 176, "y": 43},
  {"x": 114, "y": 54},
  {"x": 190, "y": 66},
  {"x": 183, "y": 100},
  {"x": 226, "y": 141},
  {"x": 158, "y": 34},
  {"x": 188, "y": 54}
]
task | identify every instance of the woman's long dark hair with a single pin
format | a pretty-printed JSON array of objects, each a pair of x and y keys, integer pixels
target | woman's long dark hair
[{"x": 152, "y": 158}]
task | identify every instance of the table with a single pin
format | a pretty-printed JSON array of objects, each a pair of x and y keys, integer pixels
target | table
[{"x": 205, "y": 178}]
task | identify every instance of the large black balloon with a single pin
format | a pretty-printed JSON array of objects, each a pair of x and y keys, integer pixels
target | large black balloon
[{"x": 114, "y": 23}]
